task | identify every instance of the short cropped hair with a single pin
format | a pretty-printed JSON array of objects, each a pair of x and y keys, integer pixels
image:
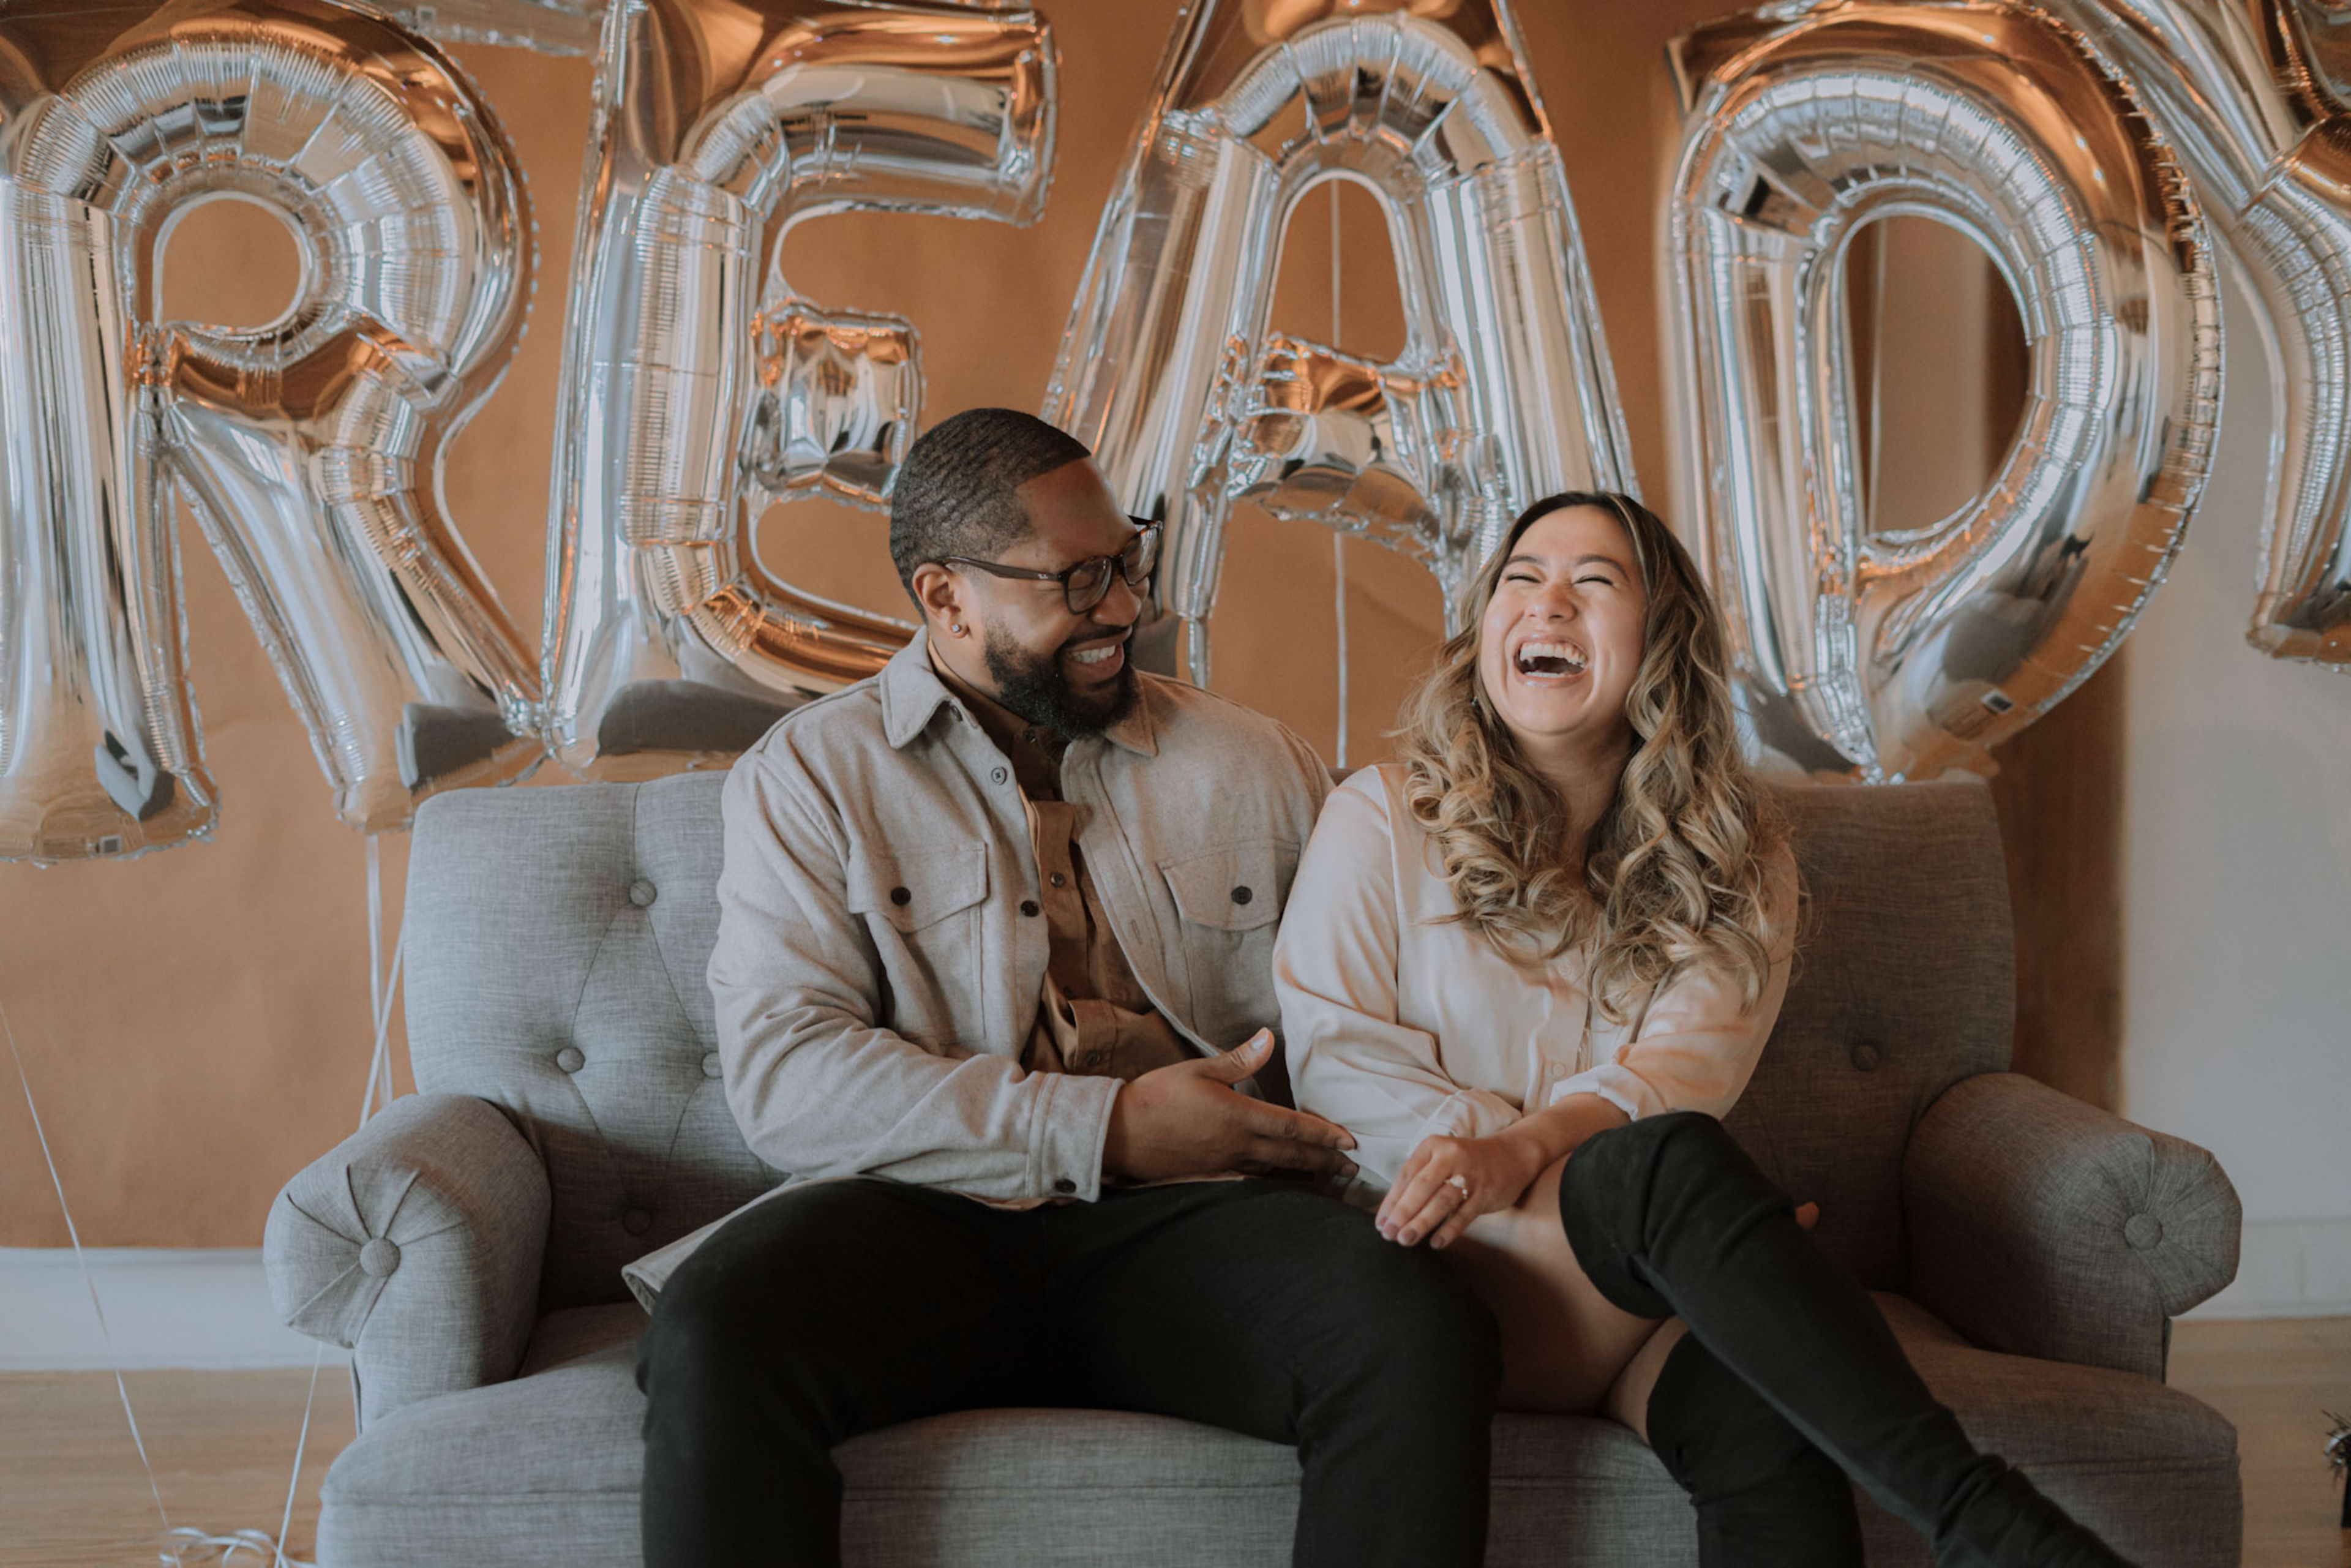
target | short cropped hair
[{"x": 953, "y": 493}]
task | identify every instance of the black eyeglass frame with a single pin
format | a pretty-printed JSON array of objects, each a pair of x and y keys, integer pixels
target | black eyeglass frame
[{"x": 1145, "y": 544}]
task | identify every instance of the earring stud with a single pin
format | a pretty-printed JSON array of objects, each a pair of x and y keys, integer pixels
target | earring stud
[{"x": 957, "y": 628}]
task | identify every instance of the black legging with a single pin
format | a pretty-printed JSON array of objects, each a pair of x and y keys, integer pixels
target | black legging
[
  {"x": 1252, "y": 1305},
  {"x": 1669, "y": 1217}
]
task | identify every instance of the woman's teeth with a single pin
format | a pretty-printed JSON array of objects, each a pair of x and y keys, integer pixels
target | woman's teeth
[{"x": 1550, "y": 659}]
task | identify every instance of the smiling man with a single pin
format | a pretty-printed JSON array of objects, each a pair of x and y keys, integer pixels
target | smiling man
[{"x": 994, "y": 991}]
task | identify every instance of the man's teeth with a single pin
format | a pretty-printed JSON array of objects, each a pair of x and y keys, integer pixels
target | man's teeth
[
  {"x": 1094, "y": 655},
  {"x": 1550, "y": 659}
]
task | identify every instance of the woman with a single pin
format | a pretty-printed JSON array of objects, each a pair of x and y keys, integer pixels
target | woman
[{"x": 1561, "y": 926}]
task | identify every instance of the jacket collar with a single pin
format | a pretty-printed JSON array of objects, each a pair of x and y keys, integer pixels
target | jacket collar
[{"x": 912, "y": 693}]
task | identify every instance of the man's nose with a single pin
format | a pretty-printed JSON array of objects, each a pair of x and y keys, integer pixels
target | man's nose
[{"x": 1121, "y": 606}]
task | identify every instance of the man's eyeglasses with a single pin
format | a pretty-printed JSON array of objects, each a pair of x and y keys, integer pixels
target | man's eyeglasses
[{"x": 1084, "y": 585}]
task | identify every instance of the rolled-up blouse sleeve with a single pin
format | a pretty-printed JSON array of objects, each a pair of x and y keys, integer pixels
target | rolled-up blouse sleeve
[
  {"x": 1697, "y": 1043},
  {"x": 1334, "y": 971}
]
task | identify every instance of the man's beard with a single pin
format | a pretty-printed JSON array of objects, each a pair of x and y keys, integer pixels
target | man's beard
[{"x": 1035, "y": 687}]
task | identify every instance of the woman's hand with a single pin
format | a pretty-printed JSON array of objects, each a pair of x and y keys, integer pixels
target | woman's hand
[{"x": 1449, "y": 1182}]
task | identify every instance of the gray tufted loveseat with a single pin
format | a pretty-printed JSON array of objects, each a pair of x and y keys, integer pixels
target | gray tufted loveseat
[{"x": 466, "y": 1244}]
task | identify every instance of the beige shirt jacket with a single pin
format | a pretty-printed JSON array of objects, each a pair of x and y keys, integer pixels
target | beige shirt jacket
[
  {"x": 881, "y": 946},
  {"x": 1400, "y": 1025}
]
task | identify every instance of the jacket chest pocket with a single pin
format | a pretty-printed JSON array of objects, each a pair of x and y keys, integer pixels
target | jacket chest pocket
[
  {"x": 923, "y": 908},
  {"x": 1228, "y": 902}
]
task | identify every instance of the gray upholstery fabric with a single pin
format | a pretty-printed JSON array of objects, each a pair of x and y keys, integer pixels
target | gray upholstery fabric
[
  {"x": 545, "y": 1469},
  {"x": 556, "y": 942},
  {"x": 1904, "y": 983},
  {"x": 2047, "y": 1228},
  {"x": 537, "y": 980},
  {"x": 415, "y": 1243}
]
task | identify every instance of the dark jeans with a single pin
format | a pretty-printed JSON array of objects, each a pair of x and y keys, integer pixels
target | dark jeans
[{"x": 1252, "y": 1305}]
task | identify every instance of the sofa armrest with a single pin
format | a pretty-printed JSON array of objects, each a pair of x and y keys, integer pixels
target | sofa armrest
[
  {"x": 2044, "y": 1227},
  {"x": 416, "y": 1243}
]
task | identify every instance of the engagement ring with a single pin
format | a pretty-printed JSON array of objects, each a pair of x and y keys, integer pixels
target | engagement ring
[{"x": 1458, "y": 1182}]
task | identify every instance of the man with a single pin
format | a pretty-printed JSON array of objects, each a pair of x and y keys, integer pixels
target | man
[{"x": 989, "y": 923}]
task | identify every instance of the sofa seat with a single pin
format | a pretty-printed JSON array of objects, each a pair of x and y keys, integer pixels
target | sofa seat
[{"x": 544, "y": 1468}]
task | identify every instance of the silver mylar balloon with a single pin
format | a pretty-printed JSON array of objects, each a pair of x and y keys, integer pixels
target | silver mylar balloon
[
  {"x": 693, "y": 395},
  {"x": 548, "y": 27},
  {"x": 2272, "y": 164},
  {"x": 1886, "y": 655},
  {"x": 310, "y": 449},
  {"x": 1503, "y": 391}
]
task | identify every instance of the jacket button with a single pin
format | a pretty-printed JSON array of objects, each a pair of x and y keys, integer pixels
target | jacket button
[
  {"x": 900, "y": 897},
  {"x": 1027, "y": 907},
  {"x": 641, "y": 893},
  {"x": 636, "y": 1222},
  {"x": 1065, "y": 1184},
  {"x": 570, "y": 1059},
  {"x": 1865, "y": 1057},
  {"x": 1242, "y": 896},
  {"x": 710, "y": 1065},
  {"x": 1000, "y": 775},
  {"x": 1057, "y": 879}
]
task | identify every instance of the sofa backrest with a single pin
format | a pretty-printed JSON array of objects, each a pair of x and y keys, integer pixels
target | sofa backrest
[
  {"x": 1904, "y": 983},
  {"x": 557, "y": 939}
]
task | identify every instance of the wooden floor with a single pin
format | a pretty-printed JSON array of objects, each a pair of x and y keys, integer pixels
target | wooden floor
[{"x": 71, "y": 1492}]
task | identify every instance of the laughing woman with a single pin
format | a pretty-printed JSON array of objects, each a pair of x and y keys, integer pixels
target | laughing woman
[{"x": 1529, "y": 967}]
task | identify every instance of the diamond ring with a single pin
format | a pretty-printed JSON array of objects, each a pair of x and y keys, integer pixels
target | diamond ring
[{"x": 1455, "y": 1181}]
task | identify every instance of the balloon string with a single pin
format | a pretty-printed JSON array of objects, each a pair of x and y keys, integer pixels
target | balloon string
[
  {"x": 73, "y": 1235},
  {"x": 177, "y": 1543},
  {"x": 382, "y": 986},
  {"x": 1338, "y": 540}
]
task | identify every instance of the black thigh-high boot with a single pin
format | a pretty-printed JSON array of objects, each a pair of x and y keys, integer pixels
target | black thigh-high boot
[
  {"x": 1765, "y": 1497},
  {"x": 1669, "y": 1216}
]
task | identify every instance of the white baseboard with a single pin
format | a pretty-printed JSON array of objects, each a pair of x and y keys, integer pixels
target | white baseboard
[
  {"x": 2289, "y": 1269},
  {"x": 204, "y": 1308}
]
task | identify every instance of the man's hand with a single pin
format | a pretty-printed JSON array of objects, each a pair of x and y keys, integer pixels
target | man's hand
[{"x": 1187, "y": 1120}]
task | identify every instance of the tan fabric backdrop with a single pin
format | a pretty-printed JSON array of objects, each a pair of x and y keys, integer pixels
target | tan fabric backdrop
[{"x": 195, "y": 1023}]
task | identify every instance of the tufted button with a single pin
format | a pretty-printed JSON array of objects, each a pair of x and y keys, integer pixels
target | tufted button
[
  {"x": 641, "y": 893},
  {"x": 636, "y": 1222},
  {"x": 999, "y": 775},
  {"x": 2143, "y": 1231},
  {"x": 570, "y": 1059},
  {"x": 380, "y": 1257},
  {"x": 1028, "y": 907},
  {"x": 1242, "y": 896},
  {"x": 900, "y": 897},
  {"x": 1865, "y": 1057},
  {"x": 1065, "y": 1184},
  {"x": 710, "y": 1065}
]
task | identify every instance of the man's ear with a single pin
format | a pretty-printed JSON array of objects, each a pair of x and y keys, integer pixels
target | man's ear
[{"x": 939, "y": 594}]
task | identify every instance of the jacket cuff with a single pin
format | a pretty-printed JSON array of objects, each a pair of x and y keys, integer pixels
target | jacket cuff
[
  {"x": 1620, "y": 1086},
  {"x": 1469, "y": 1113},
  {"x": 1065, "y": 1146}
]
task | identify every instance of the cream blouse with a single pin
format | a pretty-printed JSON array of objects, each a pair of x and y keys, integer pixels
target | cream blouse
[{"x": 1399, "y": 1025}]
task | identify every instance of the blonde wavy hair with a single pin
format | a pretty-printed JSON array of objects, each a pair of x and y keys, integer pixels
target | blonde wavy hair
[{"x": 1674, "y": 873}]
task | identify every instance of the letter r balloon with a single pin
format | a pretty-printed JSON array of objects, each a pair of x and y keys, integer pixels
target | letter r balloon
[
  {"x": 695, "y": 393},
  {"x": 1502, "y": 392},
  {"x": 309, "y": 448}
]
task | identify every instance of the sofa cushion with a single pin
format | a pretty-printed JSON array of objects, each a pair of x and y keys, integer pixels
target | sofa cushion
[{"x": 545, "y": 1468}]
